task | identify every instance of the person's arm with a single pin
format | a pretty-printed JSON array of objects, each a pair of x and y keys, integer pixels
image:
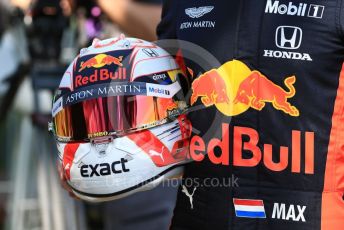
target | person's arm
[{"x": 134, "y": 18}]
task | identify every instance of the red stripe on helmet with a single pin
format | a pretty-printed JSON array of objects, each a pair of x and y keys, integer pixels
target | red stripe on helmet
[
  {"x": 68, "y": 157},
  {"x": 154, "y": 148}
]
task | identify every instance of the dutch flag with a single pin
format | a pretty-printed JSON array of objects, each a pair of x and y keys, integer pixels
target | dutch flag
[{"x": 249, "y": 208}]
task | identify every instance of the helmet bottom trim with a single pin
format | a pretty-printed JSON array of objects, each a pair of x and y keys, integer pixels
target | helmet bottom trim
[{"x": 145, "y": 185}]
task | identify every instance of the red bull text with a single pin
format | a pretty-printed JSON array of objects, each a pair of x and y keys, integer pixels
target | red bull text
[
  {"x": 247, "y": 139},
  {"x": 100, "y": 75}
]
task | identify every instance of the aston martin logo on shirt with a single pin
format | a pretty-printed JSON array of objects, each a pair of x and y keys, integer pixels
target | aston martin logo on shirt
[{"x": 197, "y": 12}]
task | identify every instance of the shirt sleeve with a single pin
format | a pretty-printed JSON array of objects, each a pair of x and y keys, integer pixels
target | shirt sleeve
[{"x": 167, "y": 26}]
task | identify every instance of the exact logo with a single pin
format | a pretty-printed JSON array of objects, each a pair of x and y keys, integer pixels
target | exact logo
[
  {"x": 301, "y": 10},
  {"x": 104, "y": 169},
  {"x": 282, "y": 212},
  {"x": 289, "y": 38}
]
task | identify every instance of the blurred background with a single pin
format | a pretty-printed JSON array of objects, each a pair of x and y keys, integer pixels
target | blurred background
[{"x": 38, "y": 39}]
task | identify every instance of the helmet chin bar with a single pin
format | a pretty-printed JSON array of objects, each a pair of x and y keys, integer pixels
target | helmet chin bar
[
  {"x": 101, "y": 144},
  {"x": 101, "y": 140}
]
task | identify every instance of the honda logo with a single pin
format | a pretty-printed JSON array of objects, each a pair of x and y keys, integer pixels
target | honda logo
[
  {"x": 150, "y": 53},
  {"x": 288, "y": 37}
]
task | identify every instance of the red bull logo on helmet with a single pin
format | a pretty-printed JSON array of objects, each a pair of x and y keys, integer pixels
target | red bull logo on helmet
[
  {"x": 234, "y": 88},
  {"x": 100, "y": 75},
  {"x": 101, "y": 67}
]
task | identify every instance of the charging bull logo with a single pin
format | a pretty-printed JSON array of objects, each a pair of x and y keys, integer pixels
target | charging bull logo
[
  {"x": 233, "y": 88},
  {"x": 213, "y": 92},
  {"x": 249, "y": 93},
  {"x": 101, "y": 60}
]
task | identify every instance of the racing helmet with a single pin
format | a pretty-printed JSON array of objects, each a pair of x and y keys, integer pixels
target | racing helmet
[{"x": 119, "y": 121}]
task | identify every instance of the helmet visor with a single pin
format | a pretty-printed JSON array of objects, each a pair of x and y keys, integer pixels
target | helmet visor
[{"x": 109, "y": 114}]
